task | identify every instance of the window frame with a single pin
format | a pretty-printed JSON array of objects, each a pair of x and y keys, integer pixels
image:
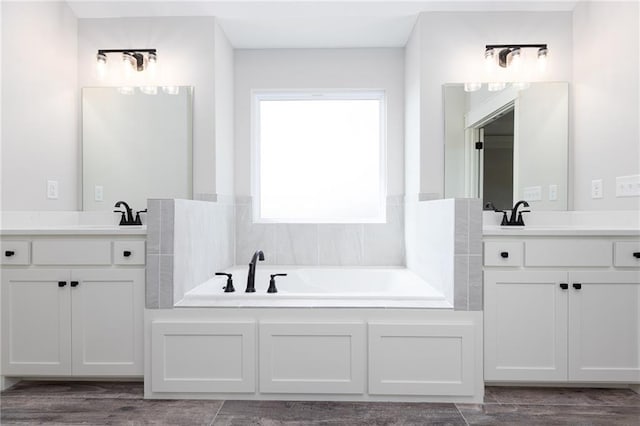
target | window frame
[{"x": 325, "y": 94}]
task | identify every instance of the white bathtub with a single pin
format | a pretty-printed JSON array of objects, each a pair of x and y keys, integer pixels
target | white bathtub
[{"x": 320, "y": 287}]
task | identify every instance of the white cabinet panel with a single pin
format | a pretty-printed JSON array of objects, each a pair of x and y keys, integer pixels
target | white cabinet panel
[
  {"x": 604, "y": 326},
  {"x": 71, "y": 252},
  {"x": 129, "y": 253},
  {"x": 312, "y": 357},
  {"x": 421, "y": 359},
  {"x": 525, "y": 325},
  {"x": 203, "y": 356},
  {"x": 36, "y": 329},
  {"x": 626, "y": 253},
  {"x": 107, "y": 326},
  {"x": 568, "y": 252},
  {"x": 14, "y": 252},
  {"x": 503, "y": 253}
]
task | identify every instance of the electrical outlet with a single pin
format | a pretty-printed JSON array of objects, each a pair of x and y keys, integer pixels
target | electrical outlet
[
  {"x": 596, "y": 189},
  {"x": 628, "y": 186},
  {"x": 52, "y": 189},
  {"x": 553, "y": 192},
  {"x": 98, "y": 193}
]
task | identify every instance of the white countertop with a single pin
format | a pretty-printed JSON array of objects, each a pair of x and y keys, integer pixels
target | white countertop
[
  {"x": 573, "y": 231},
  {"x": 75, "y": 230}
]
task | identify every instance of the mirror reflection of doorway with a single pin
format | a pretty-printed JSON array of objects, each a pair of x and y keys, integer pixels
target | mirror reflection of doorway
[{"x": 497, "y": 155}]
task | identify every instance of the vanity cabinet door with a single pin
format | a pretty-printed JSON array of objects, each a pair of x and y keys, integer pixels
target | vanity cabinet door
[
  {"x": 525, "y": 326},
  {"x": 36, "y": 332},
  {"x": 107, "y": 322},
  {"x": 604, "y": 326}
]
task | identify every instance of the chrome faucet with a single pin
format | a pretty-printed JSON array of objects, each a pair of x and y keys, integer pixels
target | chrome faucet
[
  {"x": 516, "y": 216},
  {"x": 251, "y": 278}
]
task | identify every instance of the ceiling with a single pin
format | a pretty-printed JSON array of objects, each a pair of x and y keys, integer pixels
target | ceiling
[{"x": 307, "y": 24}]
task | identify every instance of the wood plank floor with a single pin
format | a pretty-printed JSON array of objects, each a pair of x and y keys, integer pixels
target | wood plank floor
[{"x": 121, "y": 403}]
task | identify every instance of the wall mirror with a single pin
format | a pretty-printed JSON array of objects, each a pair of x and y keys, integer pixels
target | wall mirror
[
  {"x": 508, "y": 145},
  {"x": 136, "y": 144}
]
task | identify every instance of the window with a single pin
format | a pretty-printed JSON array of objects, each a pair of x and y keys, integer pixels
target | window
[{"x": 319, "y": 157}]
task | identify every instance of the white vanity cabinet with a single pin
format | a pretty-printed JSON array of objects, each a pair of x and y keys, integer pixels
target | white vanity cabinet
[
  {"x": 74, "y": 309},
  {"x": 563, "y": 312}
]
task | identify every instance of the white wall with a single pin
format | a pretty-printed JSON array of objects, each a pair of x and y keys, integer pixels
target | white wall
[
  {"x": 39, "y": 105},
  {"x": 185, "y": 58},
  {"x": 224, "y": 121},
  {"x": 318, "y": 69},
  {"x": 452, "y": 50},
  {"x": 605, "y": 101}
]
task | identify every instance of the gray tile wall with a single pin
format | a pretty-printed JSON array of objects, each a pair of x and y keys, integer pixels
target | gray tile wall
[
  {"x": 468, "y": 255},
  {"x": 177, "y": 262},
  {"x": 322, "y": 244}
]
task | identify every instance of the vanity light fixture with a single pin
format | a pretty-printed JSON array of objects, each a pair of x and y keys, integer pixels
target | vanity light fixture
[
  {"x": 136, "y": 59},
  {"x": 472, "y": 87},
  {"x": 510, "y": 54},
  {"x": 496, "y": 86}
]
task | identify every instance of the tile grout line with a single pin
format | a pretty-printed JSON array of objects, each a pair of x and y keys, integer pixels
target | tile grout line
[
  {"x": 461, "y": 415},
  {"x": 216, "y": 414}
]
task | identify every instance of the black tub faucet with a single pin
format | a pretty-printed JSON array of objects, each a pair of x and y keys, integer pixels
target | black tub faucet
[{"x": 251, "y": 278}]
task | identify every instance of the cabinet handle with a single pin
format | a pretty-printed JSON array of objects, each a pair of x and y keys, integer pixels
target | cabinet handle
[
  {"x": 74, "y": 283},
  {"x": 10, "y": 253},
  {"x": 62, "y": 283},
  {"x": 577, "y": 286},
  {"x": 504, "y": 254},
  {"x": 636, "y": 254},
  {"x": 126, "y": 253},
  {"x": 564, "y": 286}
]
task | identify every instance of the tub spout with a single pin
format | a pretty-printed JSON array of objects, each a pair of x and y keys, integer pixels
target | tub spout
[{"x": 251, "y": 278}]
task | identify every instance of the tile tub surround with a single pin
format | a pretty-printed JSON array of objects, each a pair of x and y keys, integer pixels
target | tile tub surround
[
  {"x": 444, "y": 246},
  {"x": 177, "y": 262},
  {"x": 101, "y": 403},
  {"x": 375, "y": 244}
]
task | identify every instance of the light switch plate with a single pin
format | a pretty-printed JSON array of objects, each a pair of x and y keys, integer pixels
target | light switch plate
[
  {"x": 628, "y": 186},
  {"x": 532, "y": 193},
  {"x": 553, "y": 192},
  {"x": 52, "y": 189},
  {"x": 596, "y": 189}
]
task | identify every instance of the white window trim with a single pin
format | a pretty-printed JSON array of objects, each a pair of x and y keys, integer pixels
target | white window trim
[{"x": 329, "y": 94}]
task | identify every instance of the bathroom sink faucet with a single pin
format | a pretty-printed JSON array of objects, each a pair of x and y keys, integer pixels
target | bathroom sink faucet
[
  {"x": 251, "y": 278},
  {"x": 127, "y": 215},
  {"x": 516, "y": 217}
]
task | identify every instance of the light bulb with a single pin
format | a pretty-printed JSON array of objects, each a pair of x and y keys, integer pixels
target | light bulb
[
  {"x": 128, "y": 63},
  {"x": 472, "y": 87},
  {"x": 152, "y": 64},
  {"x": 489, "y": 60},
  {"x": 516, "y": 59},
  {"x": 542, "y": 58},
  {"x": 496, "y": 86},
  {"x": 101, "y": 66}
]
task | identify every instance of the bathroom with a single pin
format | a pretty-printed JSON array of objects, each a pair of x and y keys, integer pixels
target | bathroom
[{"x": 222, "y": 57}]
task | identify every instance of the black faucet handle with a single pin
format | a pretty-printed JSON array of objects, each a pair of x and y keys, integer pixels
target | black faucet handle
[
  {"x": 123, "y": 218},
  {"x": 504, "y": 221},
  {"x": 229, "y": 287},
  {"x": 272, "y": 283},
  {"x": 520, "y": 221},
  {"x": 137, "y": 220}
]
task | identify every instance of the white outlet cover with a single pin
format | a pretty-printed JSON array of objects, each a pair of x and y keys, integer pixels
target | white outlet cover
[
  {"x": 52, "y": 189},
  {"x": 596, "y": 189},
  {"x": 98, "y": 193},
  {"x": 553, "y": 192}
]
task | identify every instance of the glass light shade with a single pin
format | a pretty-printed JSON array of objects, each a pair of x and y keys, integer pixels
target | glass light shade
[
  {"x": 101, "y": 66},
  {"x": 489, "y": 60},
  {"x": 542, "y": 59},
  {"x": 521, "y": 85},
  {"x": 171, "y": 90},
  {"x": 152, "y": 64},
  {"x": 516, "y": 59},
  {"x": 149, "y": 90},
  {"x": 496, "y": 86},
  {"x": 472, "y": 87},
  {"x": 128, "y": 65},
  {"x": 126, "y": 90}
]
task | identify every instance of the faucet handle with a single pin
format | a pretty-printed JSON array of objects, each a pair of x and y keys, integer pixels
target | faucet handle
[
  {"x": 272, "y": 283},
  {"x": 520, "y": 221},
  {"x": 229, "y": 287},
  {"x": 123, "y": 218},
  {"x": 137, "y": 220}
]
